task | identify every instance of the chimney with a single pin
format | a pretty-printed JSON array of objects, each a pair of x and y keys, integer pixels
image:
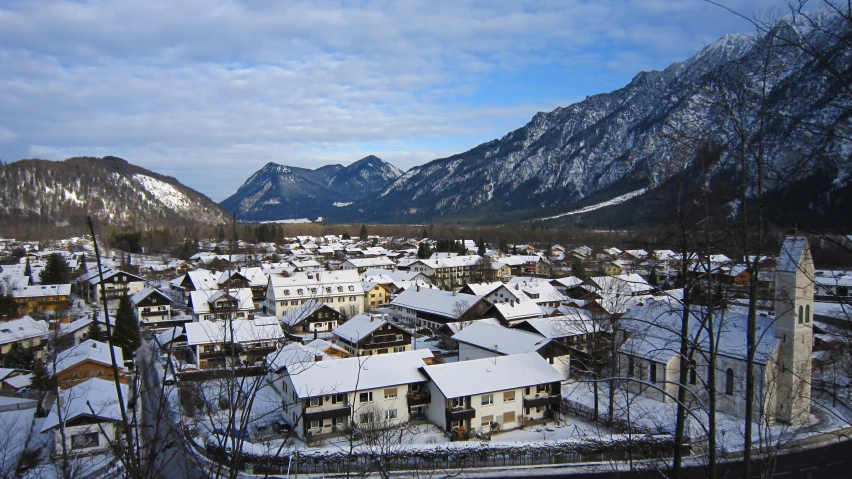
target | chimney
[
  {"x": 513, "y": 303},
  {"x": 318, "y": 358},
  {"x": 371, "y": 318},
  {"x": 517, "y": 287},
  {"x": 418, "y": 288},
  {"x": 455, "y": 292}
]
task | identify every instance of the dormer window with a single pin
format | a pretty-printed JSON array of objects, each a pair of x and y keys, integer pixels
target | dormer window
[
  {"x": 352, "y": 288},
  {"x": 328, "y": 289},
  {"x": 340, "y": 289},
  {"x": 300, "y": 291},
  {"x": 286, "y": 292}
]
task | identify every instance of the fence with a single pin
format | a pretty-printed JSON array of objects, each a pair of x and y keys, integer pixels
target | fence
[
  {"x": 480, "y": 456},
  {"x": 18, "y": 406},
  {"x": 579, "y": 410}
]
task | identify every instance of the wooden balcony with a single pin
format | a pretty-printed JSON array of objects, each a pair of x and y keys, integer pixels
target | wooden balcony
[
  {"x": 460, "y": 414},
  {"x": 543, "y": 399},
  {"x": 419, "y": 398},
  {"x": 344, "y": 411}
]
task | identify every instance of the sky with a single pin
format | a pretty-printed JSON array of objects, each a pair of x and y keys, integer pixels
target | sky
[{"x": 208, "y": 91}]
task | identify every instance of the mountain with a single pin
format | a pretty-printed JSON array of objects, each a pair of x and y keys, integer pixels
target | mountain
[
  {"x": 281, "y": 192},
  {"x": 111, "y": 189},
  {"x": 632, "y": 141}
]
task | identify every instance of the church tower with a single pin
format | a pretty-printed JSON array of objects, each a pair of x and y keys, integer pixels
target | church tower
[{"x": 794, "y": 303}]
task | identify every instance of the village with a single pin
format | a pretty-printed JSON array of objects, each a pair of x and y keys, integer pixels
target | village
[{"x": 332, "y": 349}]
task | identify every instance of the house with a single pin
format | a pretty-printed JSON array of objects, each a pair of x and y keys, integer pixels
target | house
[
  {"x": 25, "y": 331},
  {"x": 540, "y": 291},
  {"x": 364, "y": 264},
  {"x": 221, "y": 304},
  {"x": 153, "y": 308},
  {"x": 482, "y": 340},
  {"x": 494, "y": 292},
  {"x": 368, "y": 334},
  {"x": 447, "y": 271},
  {"x": 515, "y": 311},
  {"x": 89, "y": 359},
  {"x": 567, "y": 285},
  {"x": 782, "y": 355},
  {"x": 323, "y": 398},
  {"x": 210, "y": 341},
  {"x": 198, "y": 280},
  {"x": 116, "y": 284},
  {"x": 432, "y": 308},
  {"x": 571, "y": 327},
  {"x": 253, "y": 278},
  {"x": 339, "y": 289},
  {"x": 77, "y": 331},
  {"x": 309, "y": 318},
  {"x": 487, "y": 395},
  {"x": 43, "y": 299},
  {"x": 376, "y": 294},
  {"x": 91, "y": 414},
  {"x": 614, "y": 268}
]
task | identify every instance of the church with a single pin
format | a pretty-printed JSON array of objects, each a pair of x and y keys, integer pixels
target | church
[{"x": 649, "y": 360}]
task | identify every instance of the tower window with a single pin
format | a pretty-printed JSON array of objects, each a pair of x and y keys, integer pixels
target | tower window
[
  {"x": 808, "y": 313},
  {"x": 801, "y": 315},
  {"x": 729, "y": 382},
  {"x": 653, "y": 372}
]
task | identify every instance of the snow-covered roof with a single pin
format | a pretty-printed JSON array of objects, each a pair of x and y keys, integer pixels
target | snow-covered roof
[
  {"x": 201, "y": 300},
  {"x": 320, "y": 284},
  {"x": 303, "y": 353},
  {"x": 255, "y": 276},
  {"x": 145, "y": 292},
  {"x": 484, "y": 289},
  {"x": 519, "y": 310},
  {"x": 98, "y": 395},
  {"x": 532, "y": 287},
  {"x": 576, "y": 322},
  {"x": 370, "y": 262},
  {"x": 378, "y": 275},
  {"x": 568, "y": 281},
  {"x": 42, "y": 290},
  {"x": 22, "y": 328},
  {"x": 294, "y": 316},
  {"x": 359, "y": 327},
  {"x": 436, "y": 301},
  {"x": 479, "y": 376},
  {"x": 19, "y": 381},
  {"x": 361, "y": 373},
  {"x": 88, "y": 350},
  {"x": 789, "y": 261},
  {"x": 245, "y": 331},
  {"x": 499, "y": 339},
  {"x": 451, "y": 262}
]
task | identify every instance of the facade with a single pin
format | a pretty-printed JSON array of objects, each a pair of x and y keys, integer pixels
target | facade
[
  {"x": 481, "y": 340},
  {"x": 363, "y": 264},
  {"x": 210, "y": 341},
  {"x": 434, "y": 308},
  {"x": 222, "y": 304},
  {"x": 197, "y": 280},
  {"x": 27, "y": 332},
  {"x": 447, "y": 272},
  {"x": 253, "y": 278},
  {"x": 376, "y": 295},
  {"x": 153, "y": 308},
  {"x": 366, "y": 335},
  {"x": 339, "y": 289},
  {"x": 117, "y": 283},
  {"x": 43, "y": 299},
  {"x": 89, "y": 359},
  {"x": 487, "y": 395},
  {"x": 311, "y": 317}
]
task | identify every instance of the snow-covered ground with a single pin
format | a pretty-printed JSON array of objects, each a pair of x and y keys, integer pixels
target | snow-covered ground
[
  {"x": 165, "y": 193},
  {"x": 15, "y": 426}
]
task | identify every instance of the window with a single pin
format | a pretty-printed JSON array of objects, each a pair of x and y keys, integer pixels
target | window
[
  {"x": 808, "y": 313},
  {"x": 390, "y": 393},
  {"x": 693, "y": 375},
  {"x": 340, "y": 289},
  {"x": 352, "y": 288},
  {"x": 338, "y": 398},
  {"x": 341, "y": 299},
  {"x": 509, "y": 396},
  {"x": 652, "y": 371},
  {"x": 366, "y": 417},
  {"x": 488, "y": 400},
  {"x": 315, "y": 401},
  {"x": 365, "y": 397},
  {"x": 81, "y": 441},
  {"x": 631, "y": 367},
  {"x": 801, "y": 315},
  {"x": 729, "y": 382},
  {"x": 316, "y": 424},
  {"x": 295, "y": 302},
  {"x": 353, "y": 298},
  {"x": 457, "y": 403},
  {"x": 508, "y": 417},
  {"x": 399, "y": 349},
  {"x": 300, "y": 291},
  {"x": 486, "y": 421},
  {"x": 390, "y": 414}
]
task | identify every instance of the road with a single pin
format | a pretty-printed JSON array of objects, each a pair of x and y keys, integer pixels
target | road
[
  {"x": 163, "y": 441},
  {"x": 828, "y": 462}
]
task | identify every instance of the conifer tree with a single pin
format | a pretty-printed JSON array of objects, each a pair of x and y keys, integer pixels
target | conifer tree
[
  {"x": 18, "y": 357},
  {"x": 363, "y": 232},
  {"x": 56, "y": 271},
  {"x": 126, "y": 331},
  {"x": 28, "y": 270},
  {"x": 94, "y": 332}
]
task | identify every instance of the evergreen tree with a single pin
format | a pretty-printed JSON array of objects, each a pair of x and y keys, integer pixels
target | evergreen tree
[
  {"x": 424, "y": 234},
  {"x": 40, "y": 375},
  {"x": 126, "y": 331},
  {"x": 83, "y": 268},
  {"x": 19, "y": 357},
  {"x": 56, "y": 271},
  {"x": 28, "y": 270},
  {"x": 652, "y": 279},
  {"x": 363, "y": 232},
  {"x": 94, "y": 332},
  {"x": 480, "y": 247}
]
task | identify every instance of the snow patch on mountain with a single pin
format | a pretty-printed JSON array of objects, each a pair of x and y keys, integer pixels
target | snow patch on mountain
[
  {"x": 614, "y": 201},
  {"x": 165, "y": 193}
]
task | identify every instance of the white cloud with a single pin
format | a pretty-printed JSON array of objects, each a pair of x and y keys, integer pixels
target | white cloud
[{"x": 209, "y": 92}]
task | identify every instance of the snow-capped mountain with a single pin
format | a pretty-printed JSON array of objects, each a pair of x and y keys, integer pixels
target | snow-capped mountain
[
  {"x": 109, "y": 189},
  {"x": 632, "y": 139},
  {"x": 282, "y": 192}
]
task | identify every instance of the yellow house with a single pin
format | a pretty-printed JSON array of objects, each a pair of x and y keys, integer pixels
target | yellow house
[
  {"x": 613, "y": 269},
  {"x": 42, "y": 299},
  {"x": 543, "y": 268},
  {"x": 27, "y": 332},
  {"x": 375, "y": 295}
]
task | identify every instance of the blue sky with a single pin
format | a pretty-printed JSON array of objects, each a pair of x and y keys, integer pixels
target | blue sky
[{"x": 209, "y": 91}]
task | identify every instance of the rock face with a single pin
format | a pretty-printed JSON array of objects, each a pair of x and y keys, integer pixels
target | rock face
[
  {"x": 282, "y": 192},
  {"x": 109, "y": 189},
  {"x": 634, "y": 140}
]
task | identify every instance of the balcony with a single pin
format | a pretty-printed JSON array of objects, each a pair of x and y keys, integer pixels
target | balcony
[
  {"x": 419, "y": 398},
  {"x": 337, "y": 412},
  {"x": 542, "y": 399},
  {"x": 460, "y": 414},
  {"x": 146, "y": 314}
]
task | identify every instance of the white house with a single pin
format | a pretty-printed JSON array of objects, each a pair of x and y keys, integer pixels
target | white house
[
  {"x": 329, "y": 397},
  {"x": 222, "y": 304},
  {"x": 482, "y": 340},
  {"x": 339, "y": 289},
  {"x": 153, "y": 308},
  {"x": 210, "y": 341},
  {"x": 485, "y": 395}
]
